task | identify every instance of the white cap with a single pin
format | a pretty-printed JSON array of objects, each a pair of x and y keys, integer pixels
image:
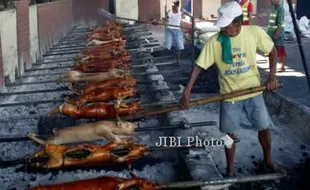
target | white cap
[{"x": 228, "y": 12}]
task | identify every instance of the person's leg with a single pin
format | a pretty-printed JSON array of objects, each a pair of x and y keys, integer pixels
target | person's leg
[
  {"x": 230, "y": 114},
  {"x": 264, "y": 137},
  {"x": 169, "y": 39},
  {"x": 179, "y": 41},
  {"x": 258, "y": 115},
  {"x": 283, "y": 58},
  {"x": 178, "y": 56}
]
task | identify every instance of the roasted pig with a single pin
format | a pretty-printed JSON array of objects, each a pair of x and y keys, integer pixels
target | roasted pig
[
  {"x": 85, "y": 155},
  {"x": 112, "y": 130},
  {"x": 103, "y": 95},
  {"x": 104, "y": 183},
  {"x": 98, "y": 110},
  {"x": 78, "y": 76},
  {"x": 126, "y": 81}
]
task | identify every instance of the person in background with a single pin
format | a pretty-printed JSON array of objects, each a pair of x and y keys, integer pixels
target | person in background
[
  {"x": 174, "y": 33},
  {"x": 247, "y": 10},
  {"x": 276, "y": 30},
  {"x": 233, "y": 50}
]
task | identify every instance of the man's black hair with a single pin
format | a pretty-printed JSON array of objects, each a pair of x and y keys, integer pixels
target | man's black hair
[
  {"x": 176, "y": 3},
  {"x": 238, "y": 20}
]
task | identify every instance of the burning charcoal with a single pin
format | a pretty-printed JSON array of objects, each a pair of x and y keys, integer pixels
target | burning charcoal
[
  {"x": 33, "y": 178},
  {"x": 197, "y": 157},
  {"x": 302, "y": 147},
  {"x": 304, "y": 154},
  {"x": 32, "y": 112}
]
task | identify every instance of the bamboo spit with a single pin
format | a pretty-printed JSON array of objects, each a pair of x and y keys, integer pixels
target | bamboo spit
[
  {"x": 221, "y": 97},
  {"x": 112, "y": 16},
  {"x": 182, "y": 125},
  {"x": 247, "y": 179}
]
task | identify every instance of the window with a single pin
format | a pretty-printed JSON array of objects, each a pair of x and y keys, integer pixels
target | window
[{"x": 6, "y": 4}]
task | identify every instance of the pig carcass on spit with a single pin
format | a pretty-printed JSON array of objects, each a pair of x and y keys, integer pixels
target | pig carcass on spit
[
  {"x": 112, "y": 130},
  {"x": 103, "y": 95},
  {"x": 127, "y": 81},
  {"x": 104, "y": 183},
  {"x": 78, "y": 76},
  {"x": 102, "y": 55},
  {"x": 85, "y": 155},
  {"x": 98, "y": 110}
]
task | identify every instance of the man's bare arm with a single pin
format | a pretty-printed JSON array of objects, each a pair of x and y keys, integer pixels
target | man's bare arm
[
  {"x": 184, "y": 102},
  {"x": 272, "y": 83},
  {"x": 273, "y": 61},
  {"x": 195, "y": 72},
  {"x": 183, "y": 11}
]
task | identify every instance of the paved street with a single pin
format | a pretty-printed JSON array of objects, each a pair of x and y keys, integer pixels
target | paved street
[{"x": 296, "y": 87}]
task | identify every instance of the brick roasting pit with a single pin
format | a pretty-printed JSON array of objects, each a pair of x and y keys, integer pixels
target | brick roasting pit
[
  {"x": 17, "y": 120},
  {"x": 25, "y": 106}
]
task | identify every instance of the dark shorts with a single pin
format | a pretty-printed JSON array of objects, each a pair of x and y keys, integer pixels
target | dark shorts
[
  {"x": 255, "y": 110},
  {"x": 281, "y": 51}
]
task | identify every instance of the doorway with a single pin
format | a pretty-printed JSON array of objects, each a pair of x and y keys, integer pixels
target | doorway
[{"x": 112, "y": 8}]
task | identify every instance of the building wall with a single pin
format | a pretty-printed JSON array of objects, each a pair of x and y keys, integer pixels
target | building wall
[
  {"x": 23, "y": 44},
  {"x": 198, "y": 8},
  {"x": 34, "y": 39},
  {"x": 1, "y": 68},
  {"x": 54, "y": 21},
  {"x": 86, "y": 12},
  {"x": 149, "y": 9},
  {"x": 8, "y": 31},
  {"x": 209, "y": 7},
  {"x": 162, "y": 7},
  {"x": 127, "y": 9}
]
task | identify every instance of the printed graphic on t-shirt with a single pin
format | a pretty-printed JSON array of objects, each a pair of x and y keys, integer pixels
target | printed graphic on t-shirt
[{"x": 239, "y": 65}]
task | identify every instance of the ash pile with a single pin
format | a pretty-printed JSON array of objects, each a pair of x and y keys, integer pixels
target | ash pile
[{"x": 95, "y": 106}]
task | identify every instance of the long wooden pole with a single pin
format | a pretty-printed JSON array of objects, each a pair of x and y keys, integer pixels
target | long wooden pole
[
  {"x": 301, "y": 49},
  {"x": 150, "y": 22},
  {"x": 220, "y": 97},
  {"x": 246, "y": 179}
]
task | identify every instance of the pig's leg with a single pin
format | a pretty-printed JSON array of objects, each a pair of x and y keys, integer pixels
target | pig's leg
[
  {"x": 54, "y": 111},
  {"x": 109, "y": 135},
  {"x": 34, "y": 137}
]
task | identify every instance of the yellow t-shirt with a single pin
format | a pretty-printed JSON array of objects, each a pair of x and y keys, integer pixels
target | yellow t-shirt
[{"x": 243, "y": 73}]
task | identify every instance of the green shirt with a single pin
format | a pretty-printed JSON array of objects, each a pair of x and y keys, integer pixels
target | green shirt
[{"x": 280, "y": 19}]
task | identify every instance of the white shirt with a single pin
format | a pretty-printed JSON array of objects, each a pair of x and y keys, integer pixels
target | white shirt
[{"x": 174, "y": 19}]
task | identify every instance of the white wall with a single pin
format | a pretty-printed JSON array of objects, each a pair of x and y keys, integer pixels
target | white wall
[
  {"x": 33, "y": 27},
  {"x": 127, "y": 9},
  {"x": 255, "y": 6},
  {"x": 162, "y": 7},
  {"x": 9, "y": 42},
  {"x": 210, "y": 7}
]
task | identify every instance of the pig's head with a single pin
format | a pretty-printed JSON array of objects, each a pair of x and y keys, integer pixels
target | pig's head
[{"x": 127, "y": 127}]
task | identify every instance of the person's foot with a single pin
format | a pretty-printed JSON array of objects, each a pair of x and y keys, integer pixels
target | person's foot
[
  {"x": 229, "y": 174},
  {"x": 271, "y": 167},
  {"x": 282, "y": 70}
]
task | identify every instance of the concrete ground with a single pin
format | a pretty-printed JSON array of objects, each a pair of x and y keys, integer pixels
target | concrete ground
[
  {"x": 296, "y": 87},
  {"x": 290, "y": 141}
]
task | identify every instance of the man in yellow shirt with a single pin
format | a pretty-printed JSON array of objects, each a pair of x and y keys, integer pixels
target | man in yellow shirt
[{"x": 233, "y": 50}]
